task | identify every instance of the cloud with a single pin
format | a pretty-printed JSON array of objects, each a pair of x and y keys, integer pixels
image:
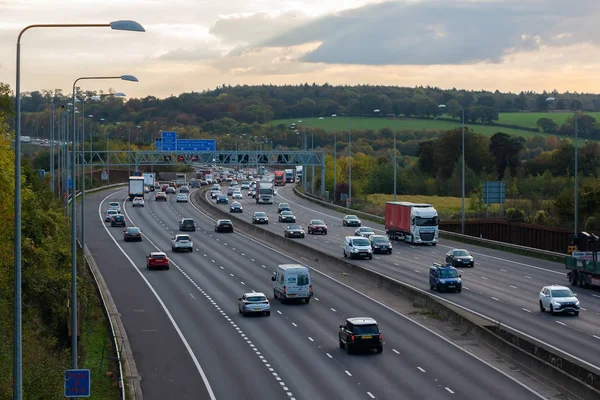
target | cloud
[
  {"x": 442, "y": 32},
  {"x": 201, "y": 53}
]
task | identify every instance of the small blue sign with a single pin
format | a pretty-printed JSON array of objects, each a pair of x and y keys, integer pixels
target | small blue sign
[
  {"x": 42, "y": 173},
  {"x": 169, "y": 141},
  {"x": 77, "y": 383},
  {"x": 494, "y": 192},
  {"x": 70, "y": 183},
  {"x": 158, "y": 143},
  {"x": 196, "y": 145}
]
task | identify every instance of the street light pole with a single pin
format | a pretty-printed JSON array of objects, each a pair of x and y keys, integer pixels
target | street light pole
[
  {"x": 349, "y": 166},
  {"x": 395, "y": 160},
  {"x": 52, "y": 170}
]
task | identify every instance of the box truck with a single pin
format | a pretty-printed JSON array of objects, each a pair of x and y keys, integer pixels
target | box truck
[
  {"x": 290, "y": 175},
  {"x": 279, "y": 178},
  {"x": 149, "y": 179},
  {"x": 415, "y": 223},
  {"x": 264, "y": 193},
  {"x": 136, "y": 187}
]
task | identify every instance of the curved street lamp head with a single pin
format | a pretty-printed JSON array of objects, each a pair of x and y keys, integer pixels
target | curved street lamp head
[
  {"x": 126, "y": 25},
  {"x": 550, "y": 99},
  {"x": 95, "y": 98},
  {"x": 442, "y": 106},
  {"x": 129, "y": 78},
  {"x": 377, "y": 110},
  {"x": 120, "y": 94}
]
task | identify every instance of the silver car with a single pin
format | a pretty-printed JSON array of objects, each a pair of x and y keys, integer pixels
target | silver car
[
  {"x": 558, "y": 299},
  {"x": 182, "y": 198},
  {"x": 364, "y": 232},
  {"x": 114, "y": 205},
  {"x": 182, "y": 243},
  {"x": 254, "y": 302}
]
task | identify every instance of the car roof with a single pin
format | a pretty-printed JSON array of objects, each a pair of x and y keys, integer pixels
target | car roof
[
  {"x": 364, "y": 228},
  {"x": 288, "y": 212},
  {"x": 182, "y": 234},
  {"x": 317, "y": 220},
  {"x": 158, "y": 253},
  {"x": 259, "y": 212},
  {"x": 255, "y": 294},
  {"x": 131, "y": 228},
  {"x": 446, "y": 266},
  {"x": 378, "y": 236},
  {"x": 187, "y": 219},
  {"x": 453, "y": 250},
  {"x": 351, "y": 216},
  {"x": 556, "y": 287},
  {"x": 356, "y": 237},
  {"x": 292, "y": 266},
  {"x": 362, "y": 321},
  {"x": 224, "y": 220}
]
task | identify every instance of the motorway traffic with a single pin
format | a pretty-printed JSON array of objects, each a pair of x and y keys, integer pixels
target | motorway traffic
[
  {"x": 189, "y": 340},
  {"x": 501, "y": 286}
]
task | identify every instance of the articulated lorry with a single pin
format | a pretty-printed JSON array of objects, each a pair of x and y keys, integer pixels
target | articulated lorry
[
  {"x": 290, "y": 175},
  {"x": 279, "y": 178},
  {"x": 582, "y": 261},
  {"x": 415, "y": 223},
  {"x": 264, "y": 193},
  {"x": 136, "y": 187},
  {"x": 149, "y": 179}
]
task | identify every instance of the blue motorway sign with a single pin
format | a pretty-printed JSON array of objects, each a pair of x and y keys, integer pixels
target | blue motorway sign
[
  {"x": 169, "y": 141},
  {"x": 77, "y": 383},
  {"x": 158, "y": 143},
  {"x": 196, "y": 145},
  {"x": 70, "y": 183},
  {"x": 42, "y": 173}
]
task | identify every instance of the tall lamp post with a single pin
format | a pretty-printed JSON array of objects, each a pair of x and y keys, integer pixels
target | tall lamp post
[
  {"x": 462, "y": 217},
  {"x": 334, "y": 159},
  {"x": 576, "y": 172},
  {"x": 130, "y": 78},
  {"x": 18, "y": 321}
]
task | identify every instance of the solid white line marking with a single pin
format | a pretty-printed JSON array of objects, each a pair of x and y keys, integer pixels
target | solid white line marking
[
  {"x": 332, "y": 309},
  {"x": 483, "y": 277},
  {"x": 316, "y": 299},
  {"x": 528, "y": 277},
  {"x": 597, "y": 337},
  {"x": 416, "y": 258},
  {"x": 561, "y": 323},
  {"x": 395, "y": 351},
  {"x": 466, "y": 288},
  {"x": 503, "y": 270},
  {"x": 417, "y": 271},
  {"x": 449, "y": 390},
  {"x": 526, "y": 310},
  {"x": 495, "y": 298},
  {"x": 305, "y": 259},
  {"x": 311, "y": 339},
  {"x": 513, "y": 286},
  {"x": 347, "y": 372},
  {"x": 279, "y": 312},
  {"x": 583, "y": 309},
  {"x": 370, "y": 395},
  {"x": 595, "y": 295},
  {"x": 330, "y": 356},
  {"x": 192, "y": 296},
  {"x": 294, "y": 324},
  {"x": 420, "y": 369}
]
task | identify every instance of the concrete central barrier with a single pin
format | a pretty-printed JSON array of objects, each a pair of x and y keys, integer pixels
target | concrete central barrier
[{"x": 568, "y": 376}]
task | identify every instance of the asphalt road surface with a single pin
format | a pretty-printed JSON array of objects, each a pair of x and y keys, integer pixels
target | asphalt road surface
[
  {"x": 293, "y": 353},
  {"x": 501, "y": 286}
]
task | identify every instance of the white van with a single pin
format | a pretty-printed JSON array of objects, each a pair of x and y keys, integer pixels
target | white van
[
  {"x": 292, "y": 281},
  {"x": 357, "y": 246}
]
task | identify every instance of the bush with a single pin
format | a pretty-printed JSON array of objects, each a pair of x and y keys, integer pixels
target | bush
[
  {"x": 541, "y": 217},
  {"x": 515, "y": 215}
]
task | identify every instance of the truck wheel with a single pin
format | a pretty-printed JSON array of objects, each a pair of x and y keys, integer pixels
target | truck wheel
[
  {"x": 345, "y": 256},
  {"x": 573, "y": 278}
]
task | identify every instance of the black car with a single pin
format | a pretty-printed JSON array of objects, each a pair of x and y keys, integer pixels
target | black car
[
  {"x": 223, "y": 225},
  {"x": 194, "y": 183},
  {"x": 360, "y": 334},
  {"x": 184, "y": 189},
  {"x": 283, "y": 207},
  {"x": 460, "y": 258},
  {"x": 187, "y": 224},
  {"x": 380, "y": 244},
  {"x": 222, "y": 199},
  {"x": 260, "y": 217},
  {"x": 351, "y": 220},
  {"x": 287, "y": 216},
  {"x": 132, "y": 233},
  {"x": 236, "y": 207},
  {"x": 317, "y": 225},
  {"x": 118, "y": 220},
  {"x": 291, "y": 231}
]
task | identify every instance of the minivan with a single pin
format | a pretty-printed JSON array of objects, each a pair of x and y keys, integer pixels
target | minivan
[
  {"x": 357, "y": 246},
  {"x": 292, "y": 281}
]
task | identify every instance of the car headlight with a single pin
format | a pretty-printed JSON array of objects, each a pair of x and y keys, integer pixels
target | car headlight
[
  {"x": 556, "y": 303},
  {"x": 577, "y": 303},
  {"x": 442, "y": 281},
  {"x": 369, "y": 250},
  {"x": 354, "y": 250}
]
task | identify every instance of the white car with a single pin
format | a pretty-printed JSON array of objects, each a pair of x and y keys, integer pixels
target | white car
[
  {"x": 146, "y": 189},
  {"x": 182, "y": 198},
  {"x": 236, "y": 196},
  {"x": 114, "y": 205},
  {"x": 254, "y": 302},
  {"x": 137, "y": 201},
  {"x": 182, "y": 243},
  {"x": 558, "y": 299}
]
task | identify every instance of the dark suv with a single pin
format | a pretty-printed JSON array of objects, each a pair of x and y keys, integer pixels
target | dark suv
[
  {"x": 444, "y": 277},
  {"x": 187, "y": 224},
  {"x": 117, "y": 220},
  {"x": 360, "y": 334}
]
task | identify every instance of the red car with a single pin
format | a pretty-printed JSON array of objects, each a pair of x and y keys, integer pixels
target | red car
[
  {"x": 316, "y": 225},
  {"x": 157, "y": 260}
]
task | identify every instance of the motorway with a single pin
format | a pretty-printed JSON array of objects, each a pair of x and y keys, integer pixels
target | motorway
[
  {"x": 189, "y": 341},
  {"x": 502, "y": 286}
]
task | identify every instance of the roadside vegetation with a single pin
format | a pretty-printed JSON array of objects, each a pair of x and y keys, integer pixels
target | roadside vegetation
[{"x": 46, "y": 260}]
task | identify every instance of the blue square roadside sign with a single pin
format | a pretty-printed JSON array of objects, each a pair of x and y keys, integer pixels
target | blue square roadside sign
[{"x": 77, "y": 383}]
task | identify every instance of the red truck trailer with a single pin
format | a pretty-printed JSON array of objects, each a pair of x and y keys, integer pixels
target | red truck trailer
[
  {"x": 279, "y": 178},
  {"x": 415, "y": 223}
]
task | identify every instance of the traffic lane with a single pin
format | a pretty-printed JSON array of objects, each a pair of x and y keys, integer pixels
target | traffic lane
[
  {"x": 551, "y": 334},
  {"x": 166, "y": 368},
  {"x": 301, "y": 368},
  {"x": 218, "y": 344},
  {"x": 298, "y": 317},
  {"x": 287, "y": 195}
]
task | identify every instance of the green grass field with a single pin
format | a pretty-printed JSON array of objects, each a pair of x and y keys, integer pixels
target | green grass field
[
  {"x": 529, "y": 119},
  {"x": 402, "y": 124}
]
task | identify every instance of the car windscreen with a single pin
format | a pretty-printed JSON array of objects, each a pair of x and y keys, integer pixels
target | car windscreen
[
  {"x": 256, "y": 298},
  {"x": 225, "y": 222},
  {"x": 317, "y": 222},
  {"x": 113, "y": 204},
  {"x": 133, "y": 230},
  {"x": 461, "y": 253},
  {"x": 294, "y": 227},
  {"x": 380, "y": 239},
  {"x": 351, "y": 217},
  {"x": 188, "y": 222},
  {"x": 448, "y": 273},
  {"x": 286, "y": 213},
  {"x": 562, "y": 293},
  {"x": 158, "y": 256},
  {"x": 112, "y": 212},
  {"x": 183, "y": 238},
  {"x": 420, "y": 221},
  {"x": 366, "y": 330},
  {"x": 260, "y": 214},
  {"x": 361, "y": 242}
]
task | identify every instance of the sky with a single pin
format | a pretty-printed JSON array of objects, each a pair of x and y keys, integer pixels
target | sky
[{"x": 194, "y": 45}]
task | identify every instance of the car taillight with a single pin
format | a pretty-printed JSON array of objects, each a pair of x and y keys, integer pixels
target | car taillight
[
  {"x": 310, "y": 288},
  {"x": 284, "y": 290},
  {"x": 380, "y": 336},
  {"x": 352, "y": 338}
]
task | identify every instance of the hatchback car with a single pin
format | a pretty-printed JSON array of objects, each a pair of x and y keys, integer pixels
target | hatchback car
[
  {"x": 254, "y": 303},
  {"x": 109, "y": 214},
  {"x": 291, "y": 231},
  {"x": 364, "y": 232},
  {"x": 182, "y": 243},
  {"x": 215, "y": 193},
  {"x": 187, "y": 224},
  {"x": 137, "y": 202},
  {"x": 114, "y": 205},
  {"x": 283, "y": 207},
  {"x": 260, "y": 217},
  {"x": 558, "y": 299},
  {"x": 160, "y": 196},
  {"x": 317, "y": 226},
  {"x": 132, "y": 233},
  {"x": 287, "y": 216},
  {"x": 380, "y": 244},
  {"x": 245, "y": 186},
  {"x": 170, "y": 190},
  {"x": 236, "y": 207},
  {"x": 146, "y": 189},
  {"x": 157, "y": 259},
  {"x": 118, "y": 220},
  {"x": 223, "y": 225},
  {"x": 237, "y": 195},
  {"x": 460, "y": 258},
  {"x": 184, "y": 189},
  {"x": 351, "y": 220},
  {"x": 360, "y": 334},
  {"x": 182, "y": 198},
  {"x": 222, "y": 199}
]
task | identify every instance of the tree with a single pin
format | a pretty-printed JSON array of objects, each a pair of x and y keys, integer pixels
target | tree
[
  {"x": 540, "y": 102},
  {"x": 547, "y": 125},
  {"x": 521, "y": 102},
  {"x": 505, "y": 150}
]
